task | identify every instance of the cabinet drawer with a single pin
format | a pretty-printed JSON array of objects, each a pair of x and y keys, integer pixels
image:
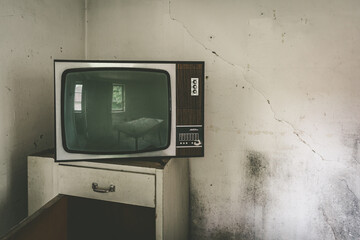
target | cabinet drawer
[{"x": 130, "y": 188}]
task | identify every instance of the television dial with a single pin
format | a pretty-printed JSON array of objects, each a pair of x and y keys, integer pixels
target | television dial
[{"x": 194, "y": 86}]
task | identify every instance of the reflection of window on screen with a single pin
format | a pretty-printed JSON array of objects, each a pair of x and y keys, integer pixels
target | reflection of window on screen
[
  {"x": 78, "y": 97},
  {"x": 118, "y": 98}
]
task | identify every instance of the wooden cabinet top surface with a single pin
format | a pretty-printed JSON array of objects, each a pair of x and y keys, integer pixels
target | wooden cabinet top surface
[{"x": 156, "y": 163}]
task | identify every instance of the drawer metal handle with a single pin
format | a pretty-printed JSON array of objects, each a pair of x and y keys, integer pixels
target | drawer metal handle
[{"x": 96, "y": 188}]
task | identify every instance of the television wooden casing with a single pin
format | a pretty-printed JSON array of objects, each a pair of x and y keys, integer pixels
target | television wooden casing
[{"x": 190, "y": 109}]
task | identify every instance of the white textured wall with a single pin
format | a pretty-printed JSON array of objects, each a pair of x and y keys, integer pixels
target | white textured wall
[
  {"x": 32, "y": 34},
  {"x": 282, "y": 155}
]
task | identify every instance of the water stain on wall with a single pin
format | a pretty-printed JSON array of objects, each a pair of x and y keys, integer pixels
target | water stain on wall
[
  {"x": 351, "y": 140},
  {"x": 355, "y": 151},
  {"x": 341, "y": 211}
]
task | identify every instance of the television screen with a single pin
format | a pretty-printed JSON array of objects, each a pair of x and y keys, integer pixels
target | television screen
[{"x": 115, "y": 110}]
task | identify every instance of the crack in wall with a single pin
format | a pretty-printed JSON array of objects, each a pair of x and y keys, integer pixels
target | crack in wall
[
  {"x": 296, "y": 131},
  {"x": 196, "y": 40}
]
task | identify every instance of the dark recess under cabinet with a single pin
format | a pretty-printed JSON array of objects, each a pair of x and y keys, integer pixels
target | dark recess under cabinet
[{"x": 67, "y": 217}]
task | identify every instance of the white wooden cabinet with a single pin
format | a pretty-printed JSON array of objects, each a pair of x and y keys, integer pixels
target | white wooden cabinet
[{"x": 163, "y": 185}]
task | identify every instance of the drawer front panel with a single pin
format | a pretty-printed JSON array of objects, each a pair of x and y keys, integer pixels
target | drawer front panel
[{"x": 130, "y": 188}]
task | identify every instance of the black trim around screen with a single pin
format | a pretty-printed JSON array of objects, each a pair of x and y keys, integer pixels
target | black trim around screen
[{"x": 72, "y": 70}]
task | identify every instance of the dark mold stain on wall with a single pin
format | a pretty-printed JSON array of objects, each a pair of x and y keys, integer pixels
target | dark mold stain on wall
[
  {"x": 227, "y": 233},
  {"x": 220, "y": 234},
  {"x": 197, "y": 211},
  {"x": 199, "y": 231},
  {"x": 256, "y": 175},
  {"x": 255, "y": 164},
  {"x": 199, "y": 224},
  {"x": 253, "y": 199}
]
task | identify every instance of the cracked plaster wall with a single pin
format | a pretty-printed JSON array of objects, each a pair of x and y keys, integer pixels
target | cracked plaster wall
[
  {"x": 281, "y": 113},
  {"x": 32, "y": 34}
]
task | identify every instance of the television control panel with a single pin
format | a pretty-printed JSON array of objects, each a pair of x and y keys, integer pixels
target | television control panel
[{"x": 189, "y": 136}]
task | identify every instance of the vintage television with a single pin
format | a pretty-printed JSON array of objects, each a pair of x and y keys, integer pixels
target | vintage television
[{"x": 127, "y": 109}]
